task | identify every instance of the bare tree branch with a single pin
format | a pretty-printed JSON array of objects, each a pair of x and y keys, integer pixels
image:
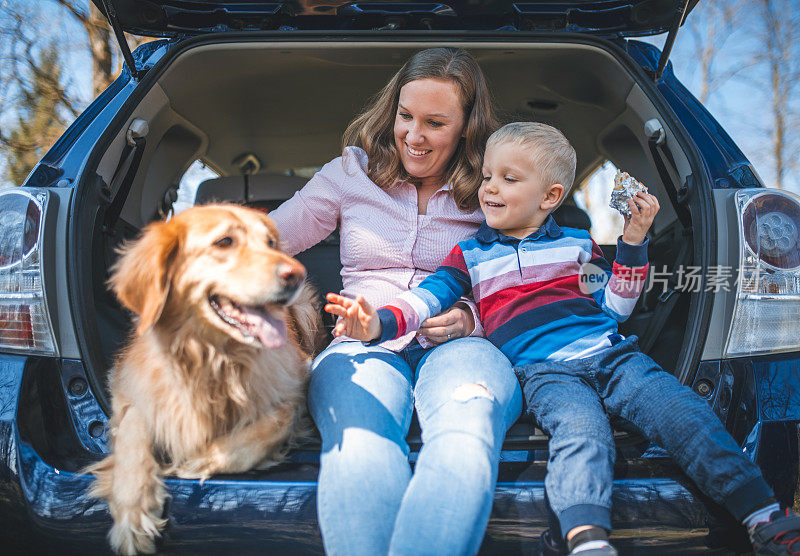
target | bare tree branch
[
  {"x": 100, "y": 43},
  {"x": 780, "y": 34},
  {"x": 79, "y": 14},
  {"x": 710, "y": 30}
]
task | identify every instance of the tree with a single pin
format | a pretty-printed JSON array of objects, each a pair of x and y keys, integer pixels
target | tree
[
  {"x": 10, "y": 38},
  {"x": 99, "y": 35},
  {"x": 40, "y": 120},
  {"x": 102, "y": 44},
  {"x": 752, "y": 49},
  {"x": 22, "y": 34},
  {"x": 780, "y": 36},
  {"x": 711, "y": 25}
]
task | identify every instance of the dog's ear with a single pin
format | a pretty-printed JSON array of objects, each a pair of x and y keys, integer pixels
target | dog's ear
[
  {"x": 141, "y": 276},
  {"x": 304, "y": 313}
]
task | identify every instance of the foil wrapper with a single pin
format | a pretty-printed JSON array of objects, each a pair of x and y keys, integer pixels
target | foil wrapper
[{"x": 625, "y": 187}]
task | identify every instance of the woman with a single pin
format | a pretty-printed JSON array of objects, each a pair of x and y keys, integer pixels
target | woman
[{"x": 404, "y": 192}]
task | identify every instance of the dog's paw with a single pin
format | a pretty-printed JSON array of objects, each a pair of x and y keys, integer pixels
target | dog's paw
[
  {"x": 203, "y": 466},
  {"x": 193, "y": 469},
  {"x": 135, "y": 533}
]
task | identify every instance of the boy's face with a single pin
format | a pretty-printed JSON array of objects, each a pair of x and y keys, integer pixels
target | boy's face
[{"x": 512, "y": 195}]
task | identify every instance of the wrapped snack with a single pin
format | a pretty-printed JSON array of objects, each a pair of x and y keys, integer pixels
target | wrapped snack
[{"x": 625, "y": 187}]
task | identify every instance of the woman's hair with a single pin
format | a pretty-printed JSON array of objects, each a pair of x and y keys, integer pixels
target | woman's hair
[{"x": 373, "y": 129}]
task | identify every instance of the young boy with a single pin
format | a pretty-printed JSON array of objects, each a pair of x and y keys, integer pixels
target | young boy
[{"x": 560, "y": 333}]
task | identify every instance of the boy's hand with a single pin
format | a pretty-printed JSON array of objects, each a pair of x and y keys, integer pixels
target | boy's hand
[
  {"x": 644, "y": 208},
  {"x": 359, "y": 319}
]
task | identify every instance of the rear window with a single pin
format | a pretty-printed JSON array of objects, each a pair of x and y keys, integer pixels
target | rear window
[
  {"x": 194, "y": 176},
  {"x": 593, "y": 195}
]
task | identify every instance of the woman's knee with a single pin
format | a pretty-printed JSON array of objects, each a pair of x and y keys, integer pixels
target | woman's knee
[
  {"x": 470, "y": 411},
  {"x": 464, "y": 370}
]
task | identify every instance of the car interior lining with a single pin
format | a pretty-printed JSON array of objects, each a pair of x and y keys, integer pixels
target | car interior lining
[{"x": 289, "y": 103}]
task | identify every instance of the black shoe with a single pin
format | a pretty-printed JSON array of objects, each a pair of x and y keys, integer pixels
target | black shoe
[
  {"x": 550, "y": 546},
  {"x": 779, "y": 535}
]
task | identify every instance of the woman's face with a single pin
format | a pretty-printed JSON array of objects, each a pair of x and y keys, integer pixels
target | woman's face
[{"x": 427, "y": 127}]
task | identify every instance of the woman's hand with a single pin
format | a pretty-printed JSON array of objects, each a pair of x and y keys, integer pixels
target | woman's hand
[
  {"x": 644, "y": 208},
  {"x": 456, "y": 322},
  {"x": 359, "y": 319}
]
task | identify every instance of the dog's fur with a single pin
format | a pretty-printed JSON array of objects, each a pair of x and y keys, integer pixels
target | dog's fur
[{"x": 193, "y": 395}]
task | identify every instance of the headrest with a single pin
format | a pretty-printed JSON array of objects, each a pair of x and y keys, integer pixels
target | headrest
[
  {"x": 260, "y": 187},
  {"x": 571, "y": 216}
]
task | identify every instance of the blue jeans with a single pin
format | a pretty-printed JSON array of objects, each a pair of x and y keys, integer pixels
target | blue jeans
[
  {"x": 572, "y": 401},
  {"x": 362, "y": 398}
]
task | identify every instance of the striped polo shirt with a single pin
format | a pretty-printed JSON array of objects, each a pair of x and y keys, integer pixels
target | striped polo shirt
[{"x": 537, "y": 297}]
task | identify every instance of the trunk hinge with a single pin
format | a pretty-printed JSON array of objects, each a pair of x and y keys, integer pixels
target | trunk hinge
[
  {"x": 680, "y": 17},
  {"x": 111, "y": 15}
]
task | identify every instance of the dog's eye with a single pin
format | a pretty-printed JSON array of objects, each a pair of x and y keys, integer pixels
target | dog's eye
[
  {"x": 224, "y": 242},
  {"x": 271, "y": 242}
]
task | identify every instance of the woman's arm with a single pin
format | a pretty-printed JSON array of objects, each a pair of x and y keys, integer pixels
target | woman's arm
[{"x": 313, "y": 212}]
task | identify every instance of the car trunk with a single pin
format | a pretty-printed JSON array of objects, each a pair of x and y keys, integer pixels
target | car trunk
[{"x": 286, "y": 102}]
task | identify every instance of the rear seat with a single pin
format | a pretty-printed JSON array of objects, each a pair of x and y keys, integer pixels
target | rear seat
[{"x": 323, "y": 264}]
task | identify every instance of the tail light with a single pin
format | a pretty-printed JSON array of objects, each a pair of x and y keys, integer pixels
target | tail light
[
  {"x": 767, "y": 311},
  {"x": 24, "y": 318}
]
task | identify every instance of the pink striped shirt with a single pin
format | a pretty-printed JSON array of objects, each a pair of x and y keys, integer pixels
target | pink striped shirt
[{"x": 386, "y": 247}]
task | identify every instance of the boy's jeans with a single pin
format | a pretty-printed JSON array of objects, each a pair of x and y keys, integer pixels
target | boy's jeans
[
  {"x": 362, "y": 398},
  {"x": 570, "y": 400}
]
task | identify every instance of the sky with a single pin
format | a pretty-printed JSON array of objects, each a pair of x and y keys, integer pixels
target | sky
[{"x": 739, "y": 104}]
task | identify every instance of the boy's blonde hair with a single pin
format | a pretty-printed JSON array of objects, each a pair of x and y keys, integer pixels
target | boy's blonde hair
[{"x": 552, "y": 155}]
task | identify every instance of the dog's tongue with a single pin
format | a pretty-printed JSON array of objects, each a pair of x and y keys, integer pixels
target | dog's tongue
[{"x": 268, "y": 329}]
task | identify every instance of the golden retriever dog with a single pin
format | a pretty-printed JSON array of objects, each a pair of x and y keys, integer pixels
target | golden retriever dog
[{"x": 213, "y": 379}]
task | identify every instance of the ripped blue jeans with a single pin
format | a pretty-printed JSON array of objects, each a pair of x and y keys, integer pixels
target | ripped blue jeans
[{"x": 362, "y": 397}]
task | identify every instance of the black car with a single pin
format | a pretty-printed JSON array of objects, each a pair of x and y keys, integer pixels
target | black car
[{"x": 261, "y": 92}]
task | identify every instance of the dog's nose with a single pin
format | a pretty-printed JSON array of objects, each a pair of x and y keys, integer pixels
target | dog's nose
[{"x": 291, "y": 275}]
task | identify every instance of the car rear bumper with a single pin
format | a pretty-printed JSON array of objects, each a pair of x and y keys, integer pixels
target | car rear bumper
[
  {"x": 249, "y": 513},
  {"x": 43, "y": 499}
]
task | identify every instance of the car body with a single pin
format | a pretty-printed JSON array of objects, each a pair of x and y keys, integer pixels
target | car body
[{"x": 199, "y": 94}]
